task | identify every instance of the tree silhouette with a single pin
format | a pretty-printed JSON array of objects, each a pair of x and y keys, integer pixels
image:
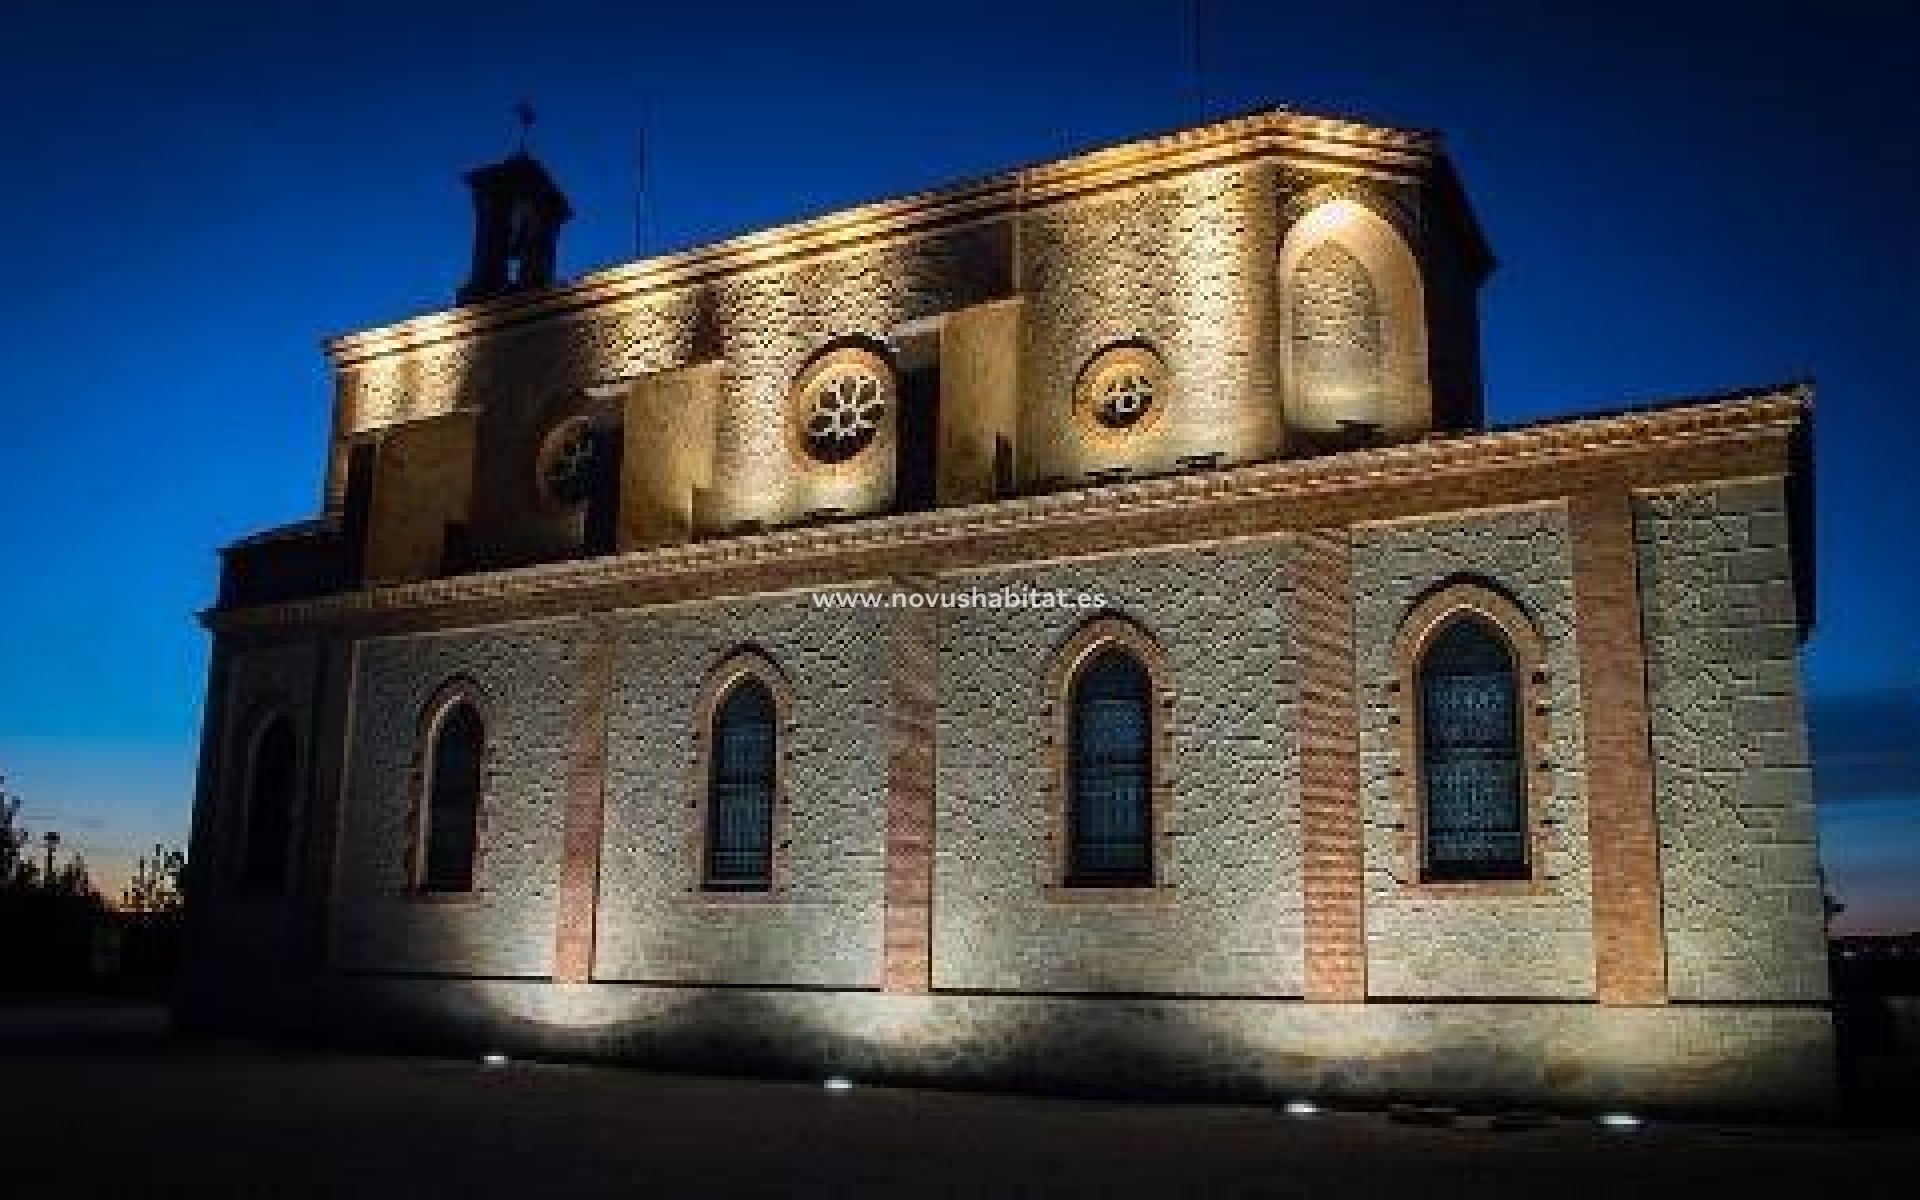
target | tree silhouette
[
  {"x": 57, "y": 933},
  {"x": 15, "y": 866},
  {"x": 156, "y": 885}
]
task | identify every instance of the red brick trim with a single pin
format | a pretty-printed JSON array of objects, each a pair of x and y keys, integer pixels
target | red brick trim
[
  {"x": 741, "y": 663},
  {"x": 583, "y": 819},
  {"x": 1332, "y": 871},
  {"x": 1629, "y": 943},
  {"x": 913, "y": 698},
  {"x": 1091, "y": 637},
  {"x": 461, "y": 689},
  {"x": 1417, "y": 630}
]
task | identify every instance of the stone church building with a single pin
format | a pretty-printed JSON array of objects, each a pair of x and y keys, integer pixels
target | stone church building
[{"x": 1073, "y": 629}]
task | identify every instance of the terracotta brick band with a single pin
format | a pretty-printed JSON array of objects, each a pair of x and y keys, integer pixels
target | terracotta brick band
[
  {"x": 583, "y": 820},
  {"x": 1623, "y": 833},
  {"x": 908, "y": 931},
  {"x": 1336, "y": 938}
]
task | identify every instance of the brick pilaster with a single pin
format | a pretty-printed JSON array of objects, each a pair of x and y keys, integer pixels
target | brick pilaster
[
  {"x": 913, "y": 694},
  {"x": 1629, "y": 945},
  {"x": 584, "y": 818},
  {"x": 1336, "y": 941}
]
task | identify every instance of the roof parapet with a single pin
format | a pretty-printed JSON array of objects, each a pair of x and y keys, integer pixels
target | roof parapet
[{"x": 1332, "y": 140}]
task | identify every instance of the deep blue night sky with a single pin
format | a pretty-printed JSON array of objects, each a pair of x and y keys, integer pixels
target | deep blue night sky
[{"x": 1683, "y": 199}]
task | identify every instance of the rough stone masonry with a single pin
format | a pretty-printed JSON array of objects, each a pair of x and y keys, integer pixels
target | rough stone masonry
[{"x": 1439, "y": 760}]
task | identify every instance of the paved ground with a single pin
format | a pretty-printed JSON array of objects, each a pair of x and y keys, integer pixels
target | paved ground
[{"x": 101, "y": 1104}]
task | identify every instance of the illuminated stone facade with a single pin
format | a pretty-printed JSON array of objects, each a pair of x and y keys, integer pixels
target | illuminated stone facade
[{"x": 1226, "y": 382}]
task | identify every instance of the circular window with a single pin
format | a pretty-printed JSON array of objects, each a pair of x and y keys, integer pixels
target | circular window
[
  {"x": 1122, "y": 391},
  {"x": 1123, "y": 398},
  {"x": 840, "y": 406},
  {"x": 564, "y": 472}
]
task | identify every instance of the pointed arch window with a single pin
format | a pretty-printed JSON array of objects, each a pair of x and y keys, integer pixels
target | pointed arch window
[
  {"x": 450, "y": 823},
  {"x": 271, "y": 777},
  {"x": 1110, "y": 773},
  {"x": 1474, "y": 788},
  {"x": 741, "y": 784}
]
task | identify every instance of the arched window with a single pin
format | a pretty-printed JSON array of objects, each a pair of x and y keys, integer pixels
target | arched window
[
  {"x": 740, "y": 789},
  {"x": 1353, "y": 321},
  {"x": 1338, "y": 350},
  {"x": 451, "y": 822},
  {"x": 269, "y": 809},
  {"x": 1474, "y": 819},
  {"x": 1110, "y": 773}
]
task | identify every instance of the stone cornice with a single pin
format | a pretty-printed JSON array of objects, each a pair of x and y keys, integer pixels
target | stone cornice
[
  {"x": 1722, "y": 438},
  {"x": 1326, "y": 141}
]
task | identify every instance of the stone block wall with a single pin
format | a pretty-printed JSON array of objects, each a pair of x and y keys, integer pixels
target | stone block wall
[
  {"x": 1185, "y": 267},
  {"x": 1217, "y": 949},
  {"x": 1421, "y": 944},
  {"x": 1183, "y": 263},
  {"x": 260, "y": 684},
  {"x": 764, "y": 324},
  {"x": 525, "y": 678},
  {"x": 423, "y": 484},
  {"x": 1741, "y": 894},
  {"x": 1566, "y": 1056},
  {"x": 1227, "y": 918},
  {"x": 822, "y": 925},
  {"x": 1743, "y": 908}
]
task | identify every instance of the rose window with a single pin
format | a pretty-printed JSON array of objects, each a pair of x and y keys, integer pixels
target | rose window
[
  {"x": 1121, "y": 393},
  {"x": 566, "y": 465},
  {"x": 842, "y": 414},
  {"x": 1123, "y": 398}
]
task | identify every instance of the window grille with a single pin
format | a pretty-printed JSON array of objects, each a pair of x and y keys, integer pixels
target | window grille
[
  {"x": 1110, "y": 810},
  {"x": 741, "y": 787},
  {"x": 1475, "y": 817}
]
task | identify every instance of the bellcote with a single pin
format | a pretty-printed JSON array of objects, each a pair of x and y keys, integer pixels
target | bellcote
[{"x": 517, "y": 213}]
